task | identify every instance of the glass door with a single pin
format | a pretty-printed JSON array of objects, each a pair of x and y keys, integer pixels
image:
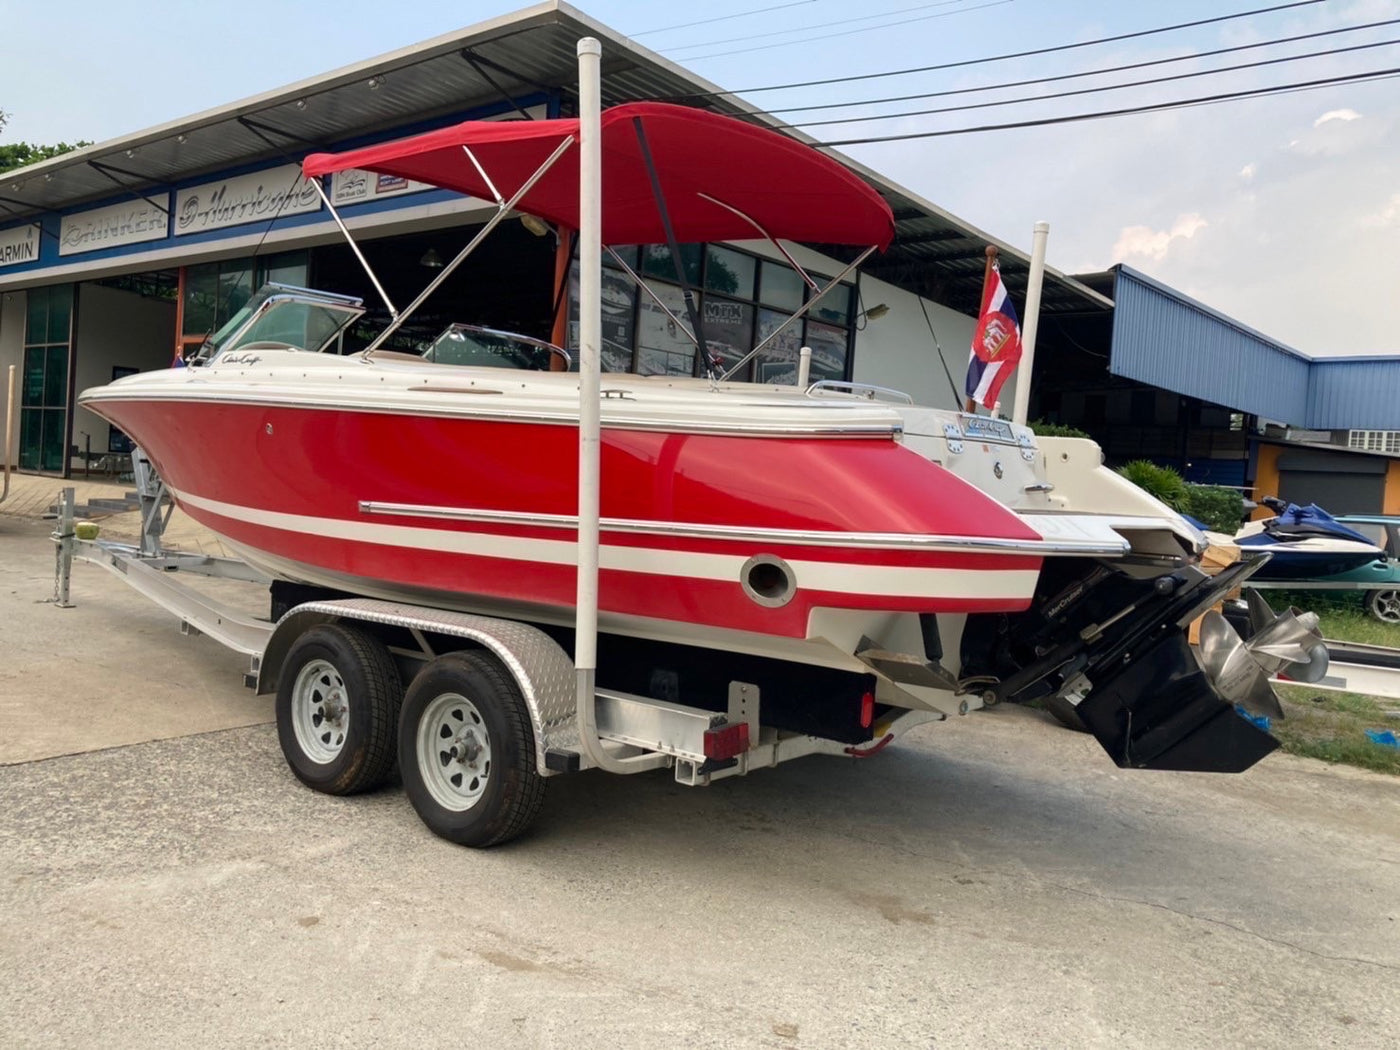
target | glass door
[{"x": 43, "y": 417}]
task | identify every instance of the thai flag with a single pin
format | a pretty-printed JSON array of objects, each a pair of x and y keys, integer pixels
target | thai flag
[{"x": 996, "y": 345}]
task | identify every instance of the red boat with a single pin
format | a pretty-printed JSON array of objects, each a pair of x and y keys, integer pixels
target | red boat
[{"x": 816, "y": 526}]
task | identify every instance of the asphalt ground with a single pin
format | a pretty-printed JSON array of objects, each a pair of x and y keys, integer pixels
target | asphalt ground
[{"x": 992, "y": 881}]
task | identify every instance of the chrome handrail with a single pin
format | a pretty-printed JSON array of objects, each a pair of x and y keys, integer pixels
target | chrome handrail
[{"x": 860, "y": 388}]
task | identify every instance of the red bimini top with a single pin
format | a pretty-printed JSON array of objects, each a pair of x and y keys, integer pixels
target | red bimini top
[{"x": 794, "y": 192}]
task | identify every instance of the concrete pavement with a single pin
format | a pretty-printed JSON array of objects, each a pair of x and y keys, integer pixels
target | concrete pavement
[{"x": 994, "y": 881}]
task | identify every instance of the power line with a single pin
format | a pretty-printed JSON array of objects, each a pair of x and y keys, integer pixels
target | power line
[
  {"x": 1002, "y": 58},
  {"x": 1088, "y": 72},
  {"x": 1307, "y": 85},
  {"x": 819, "y": 25},
  {"x": 724, "y": 18},
  {"x": 852, "y": 32},
  {"x": 1096, "y": 90}
]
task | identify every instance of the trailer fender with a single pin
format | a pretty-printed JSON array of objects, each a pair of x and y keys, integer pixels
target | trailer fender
[{"x": 543, "y": 670}]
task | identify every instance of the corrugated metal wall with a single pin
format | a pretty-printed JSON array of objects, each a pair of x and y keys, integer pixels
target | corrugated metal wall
[
  {"x": 1354, "y": 395},
  {"x": 1164, "y": 339}
]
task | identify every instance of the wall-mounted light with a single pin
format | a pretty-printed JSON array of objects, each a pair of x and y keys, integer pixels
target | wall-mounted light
[
  {"x": 301, "y": 103},
  {"x": 182, "y": 139},
  {"x": 431, "y": 259},
  {"x": 131, "y": 152},
  {"x": 875, "y": 312},
  {"x": 375, "y": 82},
  {"x": 534, "y": 224}
]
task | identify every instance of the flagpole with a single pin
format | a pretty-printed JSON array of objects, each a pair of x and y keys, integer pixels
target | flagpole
[
  {"x": 970, "y": 405},
  {"x": 1029, "y": 324}
]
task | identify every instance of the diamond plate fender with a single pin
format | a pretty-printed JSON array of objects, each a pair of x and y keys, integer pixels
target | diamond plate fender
[{"x": 539, "y": 666}]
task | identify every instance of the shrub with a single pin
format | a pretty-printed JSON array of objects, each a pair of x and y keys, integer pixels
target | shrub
[
  {"x": 1163, "y": 482},
  {"x": 1217, "y": 508},
  {"x": 1054, "y": 430}
]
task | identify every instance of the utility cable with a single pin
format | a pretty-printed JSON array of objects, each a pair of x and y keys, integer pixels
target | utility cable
[
  {"x": 1087, "y": 72},
  {"x": 819, "y": 25},
  {"x": 851, "y": 32},
  {"x": 1006, "y": 57},
  {"x": 1375, "y": 74},
  {"x": 723, "y": 18},
  {"x": 1094, "y": 90}
]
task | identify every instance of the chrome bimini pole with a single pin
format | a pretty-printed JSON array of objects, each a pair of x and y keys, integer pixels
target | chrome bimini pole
[
  {"x": 502, "y": 208},
  {"x": 800, "y": 312},
  {"x": 647, "y": 290},
  {"x": 355, "y": 248}
]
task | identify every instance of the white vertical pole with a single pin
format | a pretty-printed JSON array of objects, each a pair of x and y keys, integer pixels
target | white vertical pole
[
  {"x": 1028, "y": 327},
  {"x": 9, "y": 429},
  {"x": 590, "y": 342},
  {"x": 804, "y": 366},
  {"x": 590, "y": 300}
]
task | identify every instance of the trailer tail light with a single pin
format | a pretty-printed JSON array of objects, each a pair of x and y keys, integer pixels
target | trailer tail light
[
  {"x": 725, "y": 742},
  {"x": 867, "y": 710}
]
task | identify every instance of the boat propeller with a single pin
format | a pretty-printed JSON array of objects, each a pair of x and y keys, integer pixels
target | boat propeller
[{"x": 1287, "y": 644}]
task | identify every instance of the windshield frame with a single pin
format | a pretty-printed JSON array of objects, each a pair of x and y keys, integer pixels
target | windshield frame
[{"x": 230, "y": 335}]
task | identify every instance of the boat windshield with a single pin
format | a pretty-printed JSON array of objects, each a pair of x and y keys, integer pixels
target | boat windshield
[
  {"x": 464, "y": 344},
  {"x": 282, "y": 316}
]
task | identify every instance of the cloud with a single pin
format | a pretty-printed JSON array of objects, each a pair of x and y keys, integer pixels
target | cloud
[
  {"x": 1247, "y": 172},
  {"x": 1387, "y": 216},
  {"x": 1145, "y": 242},
  {"x": 1336, "y": 114}
]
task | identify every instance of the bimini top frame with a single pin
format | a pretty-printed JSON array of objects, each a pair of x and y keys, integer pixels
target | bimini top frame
[
  {"x": 672, "y": 174},
  {"x": 647, "y": 173}
]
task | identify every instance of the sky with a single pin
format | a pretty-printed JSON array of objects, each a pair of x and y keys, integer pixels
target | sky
[{"x": 1282, "y": 212}]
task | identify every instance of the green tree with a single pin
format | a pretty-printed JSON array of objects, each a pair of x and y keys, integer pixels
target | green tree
[{"x": 19, "y": 154}]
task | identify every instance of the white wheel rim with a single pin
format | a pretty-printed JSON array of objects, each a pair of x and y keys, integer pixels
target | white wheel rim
[
  {"x": 454, "y": 752},
  {"x": 1386, "y": 606},
  {"x": 320, "y": 711}
]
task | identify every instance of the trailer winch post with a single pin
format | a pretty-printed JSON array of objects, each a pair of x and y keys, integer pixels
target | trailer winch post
[{"x": 63, "y": 536}]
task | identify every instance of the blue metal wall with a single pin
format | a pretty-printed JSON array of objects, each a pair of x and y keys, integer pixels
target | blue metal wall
[
  {"x": 1354, "y": 394},
  {"x": 1165, "y": 339},
  {"x": 1162, "y": 338}
]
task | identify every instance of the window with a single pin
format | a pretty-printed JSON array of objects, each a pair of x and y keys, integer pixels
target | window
[
  {"x": 742, "y": 299},
  {"x": 43, "y": 415},
  {"x": 1375, "y": 440}
]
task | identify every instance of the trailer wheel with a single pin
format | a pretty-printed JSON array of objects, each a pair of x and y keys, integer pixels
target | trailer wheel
[
  {"x": 1384, "y": 605},
  {"x": 467, "y": 751},
  {"x": 338, "y": 698}
]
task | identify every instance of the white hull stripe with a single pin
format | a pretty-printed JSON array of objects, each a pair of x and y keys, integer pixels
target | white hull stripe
[{"x": 835, "y": 577}]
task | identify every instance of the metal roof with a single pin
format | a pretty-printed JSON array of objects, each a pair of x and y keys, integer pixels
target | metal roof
[
  {"x": 524, "y": 53},
  {"x": 1169, "y": 340}
]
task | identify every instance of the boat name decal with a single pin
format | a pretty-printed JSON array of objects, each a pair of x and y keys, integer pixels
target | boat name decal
[{"x": 240, "y": 359}]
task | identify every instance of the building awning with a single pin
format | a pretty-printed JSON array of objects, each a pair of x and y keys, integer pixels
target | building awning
[
  {"x": 713, "y": 171},
  {"x": 528, "y": 54}
]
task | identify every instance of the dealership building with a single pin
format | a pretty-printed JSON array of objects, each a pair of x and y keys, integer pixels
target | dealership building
[{"x": 119, "y": 256}]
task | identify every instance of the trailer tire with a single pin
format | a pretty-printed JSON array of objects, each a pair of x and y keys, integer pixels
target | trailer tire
[
  {"x": 338, "y": 697},
  {"x": 1384, "y": 605},
  {"x": 467, "y": 751}
]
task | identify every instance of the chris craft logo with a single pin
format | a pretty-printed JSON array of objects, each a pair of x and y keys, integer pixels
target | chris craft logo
[
  {"x": 20, "y": 245},
  {"x": 246, "y": 198}
]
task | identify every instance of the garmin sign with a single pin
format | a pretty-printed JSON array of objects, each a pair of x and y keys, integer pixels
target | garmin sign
[
  {"x": 258, "y": 197},
  {"x": 19, "y": 245},
  {"x": 130, "y": 222}
]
